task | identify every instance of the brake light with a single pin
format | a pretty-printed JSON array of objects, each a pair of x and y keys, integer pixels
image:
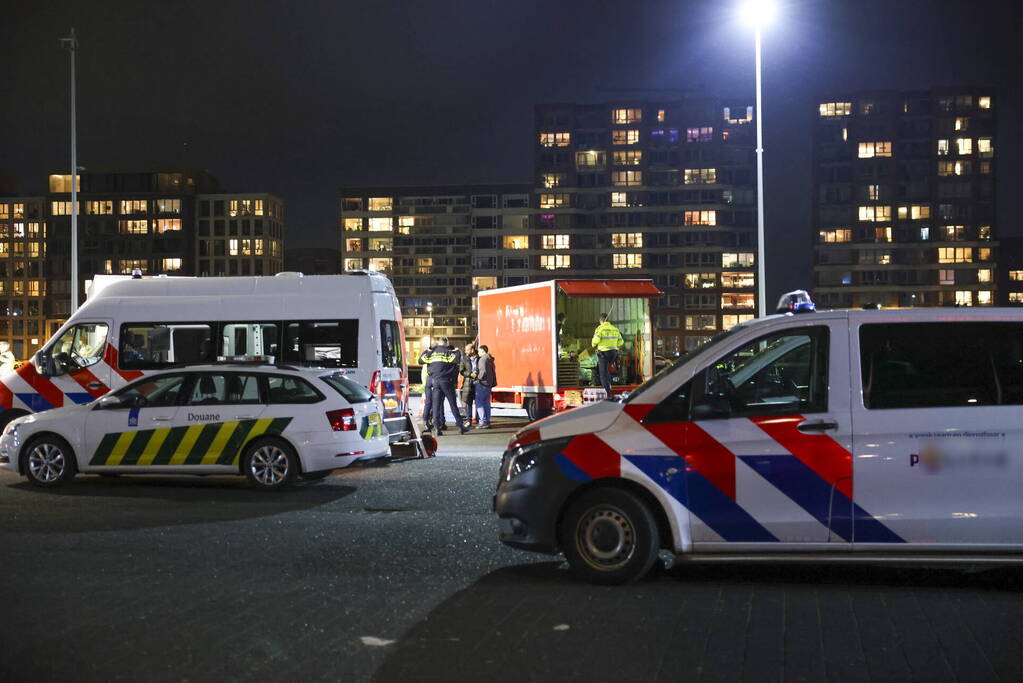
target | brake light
[
  {"x": 375, "y": 383},
  {"x": 342, "y": 420}
]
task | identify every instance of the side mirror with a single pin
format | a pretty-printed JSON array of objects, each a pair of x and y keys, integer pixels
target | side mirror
[
  {"x": 112, "y": 402},
  {"x": 108, "y": 401},
  {"x": 43, "y": 363},
  {"x": 711, "y": 408}
]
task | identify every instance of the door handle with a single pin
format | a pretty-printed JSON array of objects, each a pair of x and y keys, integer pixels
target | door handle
[
  {"x": 95, "y": 385},
  {"x": 160, "y": 419},
  {"x": 244, "y": 417},
  {"x": 819, "y": 426}
]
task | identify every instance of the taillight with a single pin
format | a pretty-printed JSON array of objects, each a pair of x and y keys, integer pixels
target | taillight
[
  {"x": 374, "y": 383},
  {"x": 342, "y": 420}
]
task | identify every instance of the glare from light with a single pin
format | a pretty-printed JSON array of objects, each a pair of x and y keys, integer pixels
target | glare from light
[{"x": 759, "y": 13}]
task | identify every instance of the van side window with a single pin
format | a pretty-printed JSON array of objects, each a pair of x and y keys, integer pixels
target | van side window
[
  {"x": 781, "y": 373},
  {"x": 930, "y": 365},
  {"x": 390, "y": 344},
  {"x": 249, "y": 339},
  {"x": 79, "y": 347},
  {"x": 151, "y": 346},
  {"x": 322, "y": 343},
  {"x": 291, "y": 390}
]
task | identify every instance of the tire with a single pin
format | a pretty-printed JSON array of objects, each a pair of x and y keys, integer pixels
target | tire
[
  {"x": 270, "y": 464},
  {"x": 48, "y": 461},
  {"x": 609, "y": 536},
  {"x": 316, "y": 476}
]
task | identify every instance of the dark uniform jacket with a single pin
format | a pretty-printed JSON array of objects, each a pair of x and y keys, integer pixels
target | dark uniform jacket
[{"x": 443, "y": 364}]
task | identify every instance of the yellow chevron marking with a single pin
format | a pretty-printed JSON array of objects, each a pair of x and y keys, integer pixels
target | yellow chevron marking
[
  {"x": 256, "y": 430},
  {"x": 185, "y": 447},
  {"x": 153, "y": 447},
  {"x": 219, "y": 441},
  {"x": 120, "y": 448}
]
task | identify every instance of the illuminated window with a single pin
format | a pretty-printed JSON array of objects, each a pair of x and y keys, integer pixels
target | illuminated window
[
  {"x": 984, "y": 275},
  {"x": 874, "y": 257},
  {"x": 62, "y": 183},
  {"x": 882, "y": 235},
  {"x": 873, "y": 192},
  {"x": 382, "y": 224},
  {"x": 381, "y": 244},
  {"x": 946, "y": 276},
  {"x": 955, "y": 254},
  {"x": 555, "y": 139},
  {"x": 964, "y": 298},
  {"x": 875, "y": 149},
  {"x": 5, "y": 249},
  {"x": 619, "y": 199},
  {"x": 130, "y": 206},
  {"x": 984, "y": 297},
  {"x": 962, "y": 122},
  {"x": 380, "y": 265},
  {"x": 1016, "y": 275},
  {"x": 701, "y": 176},
  {"x": 554, "y": 241},
  {"x": 405, "y": 224},
  {"x": 353, "y": 224},
  {"x": 553, "y": 201},
  {"x": 1016, "y": 297},
  {"x": 875, "y": 213},
  {"x": 424, "y": 265},
  {"x": 740, "y": 260},
  {"x": 484, "y": 283},
  {"x": 701, "y": 322},
  {"x": 33, "y": 249},
  {"x": 353, "y": 244},
  {"x": 99, "y": 208},
  {"x": 964, "y": 145},
  {"x": 704, "y": 134},
  {"x": 830, "y": 109},
  {"x": 5, "y": 210},
  {"x": 257, "y": 247},
  {"x": 701, "y": 218},
  {"x": 353, "y": 264},
  {"x": 914, "y": 212},
  {"x": 624, "y": 137},
  {"x": 627, "y": 260},
  {"x": 35, "y": 229},
  {"x": 170, "y": 205},
  {"x": 170, "y": 264},
  {"x": 17, "y": 210},
  {"x": 740, "y": 118},
  {"x": 984, "y": 102},
  {"x": 983, "y": 253},
  {"x": 60, "y": 208},
  {"x": 660, "y": 115},
  {"x": 627, "y": 178},
  {"x": 137, "y": 227},
  {"x": 737, "y": 279},
  {"x": 983, "y": 232},
  {"x": 381, "y": 203},
  {"x": 623, "y": 116},
  {"x": 628, "y": 157},
  {"x": 590, "y": 160},
  {"x": 731, "y": 320},
  {"x": 129, "y": 265},
  {"x": 985, "y": 147},
  {"x": 626, "y": 239},
  {"x": 553, "y": 179},
  {"x": 836, "y": 235},
  {"x": 555, "y": 261},
  {"x": 516, "y": 241},
  {"x": 737, "y": 300},
  {"x": 942, "y": 148},
  {"x": 232, "y": 247},
  {"x": 954, "y": 233},
  {"x": 168, "y": 224}
]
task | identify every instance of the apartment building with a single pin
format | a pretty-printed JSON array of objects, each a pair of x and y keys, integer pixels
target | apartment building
[
  {"x": 904, "y": 199},
  {"x": 23, "y": 284},
  {"x": 239, "y": 234},
  {"x": 1010, "y": 271}
]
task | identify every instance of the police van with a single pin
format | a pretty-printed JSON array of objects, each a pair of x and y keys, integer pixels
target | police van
[
  {"x": 130, "y": 327},
  {"x": 865, "y": 436}
]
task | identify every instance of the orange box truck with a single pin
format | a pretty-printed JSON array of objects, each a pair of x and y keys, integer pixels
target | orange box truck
[{"x": 539, "y": 335}]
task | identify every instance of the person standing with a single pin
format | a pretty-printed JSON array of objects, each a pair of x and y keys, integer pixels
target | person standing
[
  {"x": 486, "y": 380},
  {"x": 424, "y": 363},
  {"x": 7, "y": 358},
  {"x": 444, "y": 374},
  {"x": 467, "y": 369},
  {"x": 607, "y": 339}
]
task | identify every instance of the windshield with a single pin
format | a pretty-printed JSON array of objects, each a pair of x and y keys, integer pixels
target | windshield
[{"x": 712, "y": 345}]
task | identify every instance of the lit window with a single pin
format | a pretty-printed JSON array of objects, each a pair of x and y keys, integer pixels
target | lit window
[
  {"x": 1016, "y": 275},
  {"x": 137, "y": 227},
  {"x": 731, "y": 320},
  {"x": 483, "y": 283},
  {"x": 946, "y": 276},
  {"x": 555, "y": 139},
  {"x": 232, "y": 247},
  {"x": 625, "y": 137},
  {"x": 380, "y": 265},
  {"x": 962, "y": 122},
  {"x": 62, "y": 183},
  {"x": 108, "y": 266},
  {"x": 984, "y": 102},
  {"x": 739, "y": 119},
  {"x": 836, "y": 235},
  {"x": 985, "y": 147},
  {"x": 955, "y": 254},
  {"x": 627, "y": 178},
  {"x": 916, "y": 211},
  {"x": 516, "y": 241},
  {"x": 984, "y": 275},
  {"x": 740, "y": 260},
  {"x": 660, "y": 115},
  {"x": 129, "y": 265},
  {"x": 627, "y": 260},
  {"x": 626, "y": 239},
  {"x": 868, "y": 150},
  {"x": 701, "y": 218},
  {"x": 942, "y": 148},
  {"x": 703, "y": 134},
  {"x": 381, "y": 203},
  {"x": 589, "y": 160},
  {"x": 553, "y": 179},
  {"x": 5, "y": 210},
  {"x": 964, "y": 298},
  {"x": 168, "y": 224},
  {"x": 873, "y": 193},
  {"x": 406, "y": 222},
  {"x": 1016, "y": 297},
  {"x": 555, "y": 241},
  {"x": 17, "y": 210},
  {"x": 555, "y": 261},
  {"x": 882, "y": 235},
  {"x": 619, "y": 199},
  {"x": 729, "y": 300},
  {"x": 983, "y": 232},
  {"x": 737, "y": 280},
  {"x": 623, "y": 116},
  {"x": 875, "y": 213},
  {"x": 701, "y": 176},
  {"x": 424, "y": 265},
  {"x": 353, "y": 264},
  {"x": 99, "y": 208},
  {"x": 353, "y": 244},
  {"x": 353, "y": 224},
  {"x": 257, "y": 247},
  {"x": 380, "y": 224},
  {"x": 836, "y": 109},
  {"x": 983, "y": 253},
  {"x": 701, "y": 322},
  {"x": 170, "y": 264},
  {"x": 984, "y": 297},
  {"x": 60, "y": 208},
  {"x": 553, "y": 201},
  {"x": 954, "y": 233},
  {"x": 964, "y": 145},
  {"x": 628, "y": 157},
  {"x": 169, "y": 205},
  {"x": 130, "y": 206}
]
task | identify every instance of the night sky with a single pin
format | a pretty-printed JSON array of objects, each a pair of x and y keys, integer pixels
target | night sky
[{"x": 302, "y": 98}]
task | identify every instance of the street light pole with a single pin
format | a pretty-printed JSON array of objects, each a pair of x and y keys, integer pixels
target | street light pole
[
  {"x": 761, "y": 265},
  {"x": 71, "y": 45}
]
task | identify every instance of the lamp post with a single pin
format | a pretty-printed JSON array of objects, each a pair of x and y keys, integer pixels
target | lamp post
[
  {"x": 429, "y": 311},
  {"x": 71, "y": 45},
  {"x": 759, "y": 12}
]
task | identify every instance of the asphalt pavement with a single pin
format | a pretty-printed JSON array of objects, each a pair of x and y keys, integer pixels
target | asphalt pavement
[{"x": 395, "y": 574}]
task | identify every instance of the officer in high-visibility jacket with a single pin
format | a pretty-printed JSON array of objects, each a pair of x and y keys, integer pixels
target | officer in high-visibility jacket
[
  {"x": 443, "y": 368},
  {"x": 607, "y": 340},
  {"x": 424, "y": 363}
]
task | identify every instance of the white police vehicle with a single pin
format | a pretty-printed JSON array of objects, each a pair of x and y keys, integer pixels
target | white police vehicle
[
  {"x": 854, "y": 435},
  {"x": 270, "y": 423}
]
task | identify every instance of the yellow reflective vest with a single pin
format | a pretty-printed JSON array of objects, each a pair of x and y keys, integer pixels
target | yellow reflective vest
[{"x": 607, "y": 337}]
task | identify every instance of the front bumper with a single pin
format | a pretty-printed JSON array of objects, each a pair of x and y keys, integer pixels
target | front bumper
[
  {"x": 9, "y": 446},
  {"x": 528, "y": 506}
]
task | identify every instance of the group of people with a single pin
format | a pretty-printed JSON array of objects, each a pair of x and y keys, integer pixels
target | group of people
[{"x": 442, "y": 366}]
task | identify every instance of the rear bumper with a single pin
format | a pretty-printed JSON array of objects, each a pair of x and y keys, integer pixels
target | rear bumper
[{"x": 340, "y": 451}]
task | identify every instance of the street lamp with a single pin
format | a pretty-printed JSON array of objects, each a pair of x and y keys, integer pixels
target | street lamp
[
  {"x": 429, "y": 311},
  {"x": 759, "y": 13},
  {"x": 71, "y": 45}
]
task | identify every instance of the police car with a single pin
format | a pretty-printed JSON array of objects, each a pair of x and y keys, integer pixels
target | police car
[
  {"x": 854, "y": 435},
  {"x": 270, "y": 423}
]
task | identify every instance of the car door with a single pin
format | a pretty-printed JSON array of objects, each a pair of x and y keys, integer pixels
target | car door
[
  {"x": 938, "y": 458},
  {"x": 768, "y": 443},
  {"x": 222, "y": 411},
  {"x": 131, "y": 427}
]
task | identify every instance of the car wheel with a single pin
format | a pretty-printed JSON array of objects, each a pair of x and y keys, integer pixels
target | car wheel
[
  {"x": 316, "y": 476},
  {"x": 270, "y": 464},
  {"x": 609, "y": 536},
  {"x": 48, "y": 461}
]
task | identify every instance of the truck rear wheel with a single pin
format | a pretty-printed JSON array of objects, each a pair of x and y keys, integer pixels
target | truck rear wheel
[{"x": 534, "y": 411}]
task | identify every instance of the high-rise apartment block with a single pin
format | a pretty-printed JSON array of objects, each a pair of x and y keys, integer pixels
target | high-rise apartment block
[
  {"x": 239, "y": 234},
  {"x": 904, "y": 199},
  {"x": 23, "y": 284}
]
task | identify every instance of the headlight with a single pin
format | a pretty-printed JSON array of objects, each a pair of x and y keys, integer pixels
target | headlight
[
  {"x": 525, "y": 458},
  {"x": 11, "y": 428}
]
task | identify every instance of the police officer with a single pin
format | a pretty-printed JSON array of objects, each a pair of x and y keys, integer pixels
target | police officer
[
  {"x": 607, "y": 339},
  {"x": 443, "y": 368},
  {"x": 424, "y": 363},
  {"x": 6, "y": 357}
]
